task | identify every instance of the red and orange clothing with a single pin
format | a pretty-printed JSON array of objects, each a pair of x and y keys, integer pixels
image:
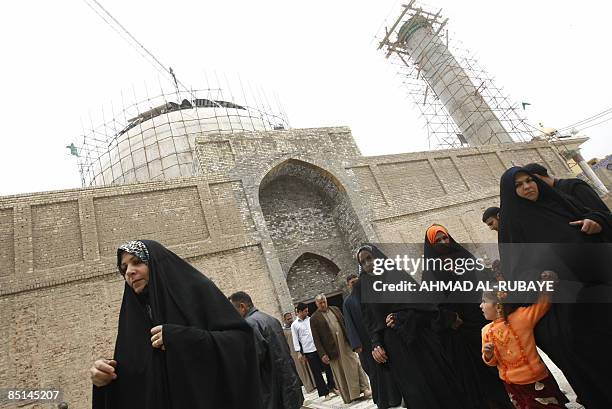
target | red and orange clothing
[
  {"x": 433, "y": 230},
  {"x": 515, "y": 353}
]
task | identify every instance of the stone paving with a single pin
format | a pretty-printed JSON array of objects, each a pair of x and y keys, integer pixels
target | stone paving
[
  {"x": 563, "y": 384},
  {"x": 313, "y": 401}
]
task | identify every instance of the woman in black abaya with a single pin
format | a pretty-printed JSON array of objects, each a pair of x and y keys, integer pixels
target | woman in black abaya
[
  {"x": 543, "y": 229},
  {"x": 385, "y": 393},
  {"x": 180, "y": 343},
  {"x": 402, "y": 337},
  {"x": 460, "y": 328}
]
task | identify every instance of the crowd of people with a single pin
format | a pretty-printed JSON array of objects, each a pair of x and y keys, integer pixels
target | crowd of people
[{"x": 182, "y": 343}]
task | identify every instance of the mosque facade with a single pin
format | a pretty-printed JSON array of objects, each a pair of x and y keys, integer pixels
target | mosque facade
[{"x": 275, "y": 213}]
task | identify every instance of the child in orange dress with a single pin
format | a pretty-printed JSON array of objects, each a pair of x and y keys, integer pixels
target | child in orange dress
[{"x": 508, "y": 343}]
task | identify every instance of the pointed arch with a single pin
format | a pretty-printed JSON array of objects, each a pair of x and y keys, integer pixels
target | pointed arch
[
  {"x": 311, "y": 274},
  {"x": 291, "y": 166},
  {"x": 307, "y": 209}
]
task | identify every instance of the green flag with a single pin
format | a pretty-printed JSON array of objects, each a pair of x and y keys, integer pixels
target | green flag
[{"x": 73, "y": 149}]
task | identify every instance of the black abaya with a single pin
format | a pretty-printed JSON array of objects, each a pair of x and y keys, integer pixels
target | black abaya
[
  {"x": 481, "y": 384},
  {"x": 570, "y": 333},
  {"x": 416, "y": 358},
  {"x": 384, "y": 391},
  {"x": 582, "y": 192},
  {"x": 209, "y": 360}
]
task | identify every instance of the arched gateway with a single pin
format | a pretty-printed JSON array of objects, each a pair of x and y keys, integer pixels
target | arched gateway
[{"x": 313, "y": 227}]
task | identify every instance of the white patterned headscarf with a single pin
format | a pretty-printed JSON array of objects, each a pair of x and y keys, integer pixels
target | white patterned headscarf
[{"x": 134, "y": 247}]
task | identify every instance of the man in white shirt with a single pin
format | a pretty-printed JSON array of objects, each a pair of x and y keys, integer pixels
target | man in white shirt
[{"x": 304, "y": 344}]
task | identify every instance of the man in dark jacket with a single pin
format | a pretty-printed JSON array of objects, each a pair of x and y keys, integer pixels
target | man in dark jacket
[
  {"x": 281, "y": 386},
  {"x": 574, "y": 187}
]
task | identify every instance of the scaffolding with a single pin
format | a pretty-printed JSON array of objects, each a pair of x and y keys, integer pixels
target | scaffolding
[
  {"x": 457, "y": 98},
  {"x": 154, "y": 138}
]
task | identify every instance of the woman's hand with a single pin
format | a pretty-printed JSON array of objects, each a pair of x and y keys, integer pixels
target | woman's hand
[
  {"x": 458, "y": 322},
  {"x": 391, "y": 321},
  {"x": 588, "y": 226},
  {"x": 103, "y": 372},
  {"x": 488, "y": 349},
  {"x": 549, "y": 275},
  {"x": 157, "y": 340},
  {"x": 379, "y": 354}
]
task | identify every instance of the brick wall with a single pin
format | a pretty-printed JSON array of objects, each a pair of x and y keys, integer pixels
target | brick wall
[
  {"x": 59, "y": 290},
  {"x": 406, "y": 193},
  {"x": 297, "y": 214},
  {"x": 310, "y": 275},
  {"x": 7, "y": 243},
  {"x": 267, "y": 208},
  {"x": 305, "y": 213}
]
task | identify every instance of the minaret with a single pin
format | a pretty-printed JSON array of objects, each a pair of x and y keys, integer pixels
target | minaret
[{"x": 448, "y": 80}]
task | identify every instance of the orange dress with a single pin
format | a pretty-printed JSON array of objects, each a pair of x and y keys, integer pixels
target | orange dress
[{"x": 515, "y": 353}]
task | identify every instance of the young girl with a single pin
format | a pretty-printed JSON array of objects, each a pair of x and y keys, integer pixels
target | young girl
[{"x": 508, "y": 343}]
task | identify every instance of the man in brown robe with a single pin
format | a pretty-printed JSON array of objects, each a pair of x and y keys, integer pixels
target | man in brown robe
[
  {"x": 301, "y": 365},
  {"x": 331, "y": 341}
]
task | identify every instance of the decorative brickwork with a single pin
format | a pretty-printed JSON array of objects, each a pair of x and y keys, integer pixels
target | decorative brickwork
[
  {"x": 310, "y": 275},
  {"x": 56, "y": 241},
  {"x": 7, "y": 242},
  {"x": 177, "y": 212}
]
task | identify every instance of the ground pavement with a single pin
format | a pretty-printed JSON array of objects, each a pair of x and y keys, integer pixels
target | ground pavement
[{"x": 313, "y": 401}]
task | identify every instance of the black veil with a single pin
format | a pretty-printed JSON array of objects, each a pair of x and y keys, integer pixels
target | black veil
[
  {"x": 209, "y": 359},
  {"x": 537, "y": 236}
]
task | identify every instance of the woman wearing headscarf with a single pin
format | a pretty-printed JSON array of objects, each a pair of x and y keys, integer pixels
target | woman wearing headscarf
[
  {"x": 543, "y": 229},
  {"x": 462, "y": 320},
  {"x": 385, "y": 393},
  {"x": 180, "y": 343},
  {"x": 402, "y": 337}
]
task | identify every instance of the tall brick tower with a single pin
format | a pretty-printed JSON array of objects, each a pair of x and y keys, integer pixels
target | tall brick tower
[{"x": 450, "y": 83}]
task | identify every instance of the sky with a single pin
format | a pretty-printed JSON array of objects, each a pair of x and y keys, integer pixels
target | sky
[{"x": 62, "y": 64}]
